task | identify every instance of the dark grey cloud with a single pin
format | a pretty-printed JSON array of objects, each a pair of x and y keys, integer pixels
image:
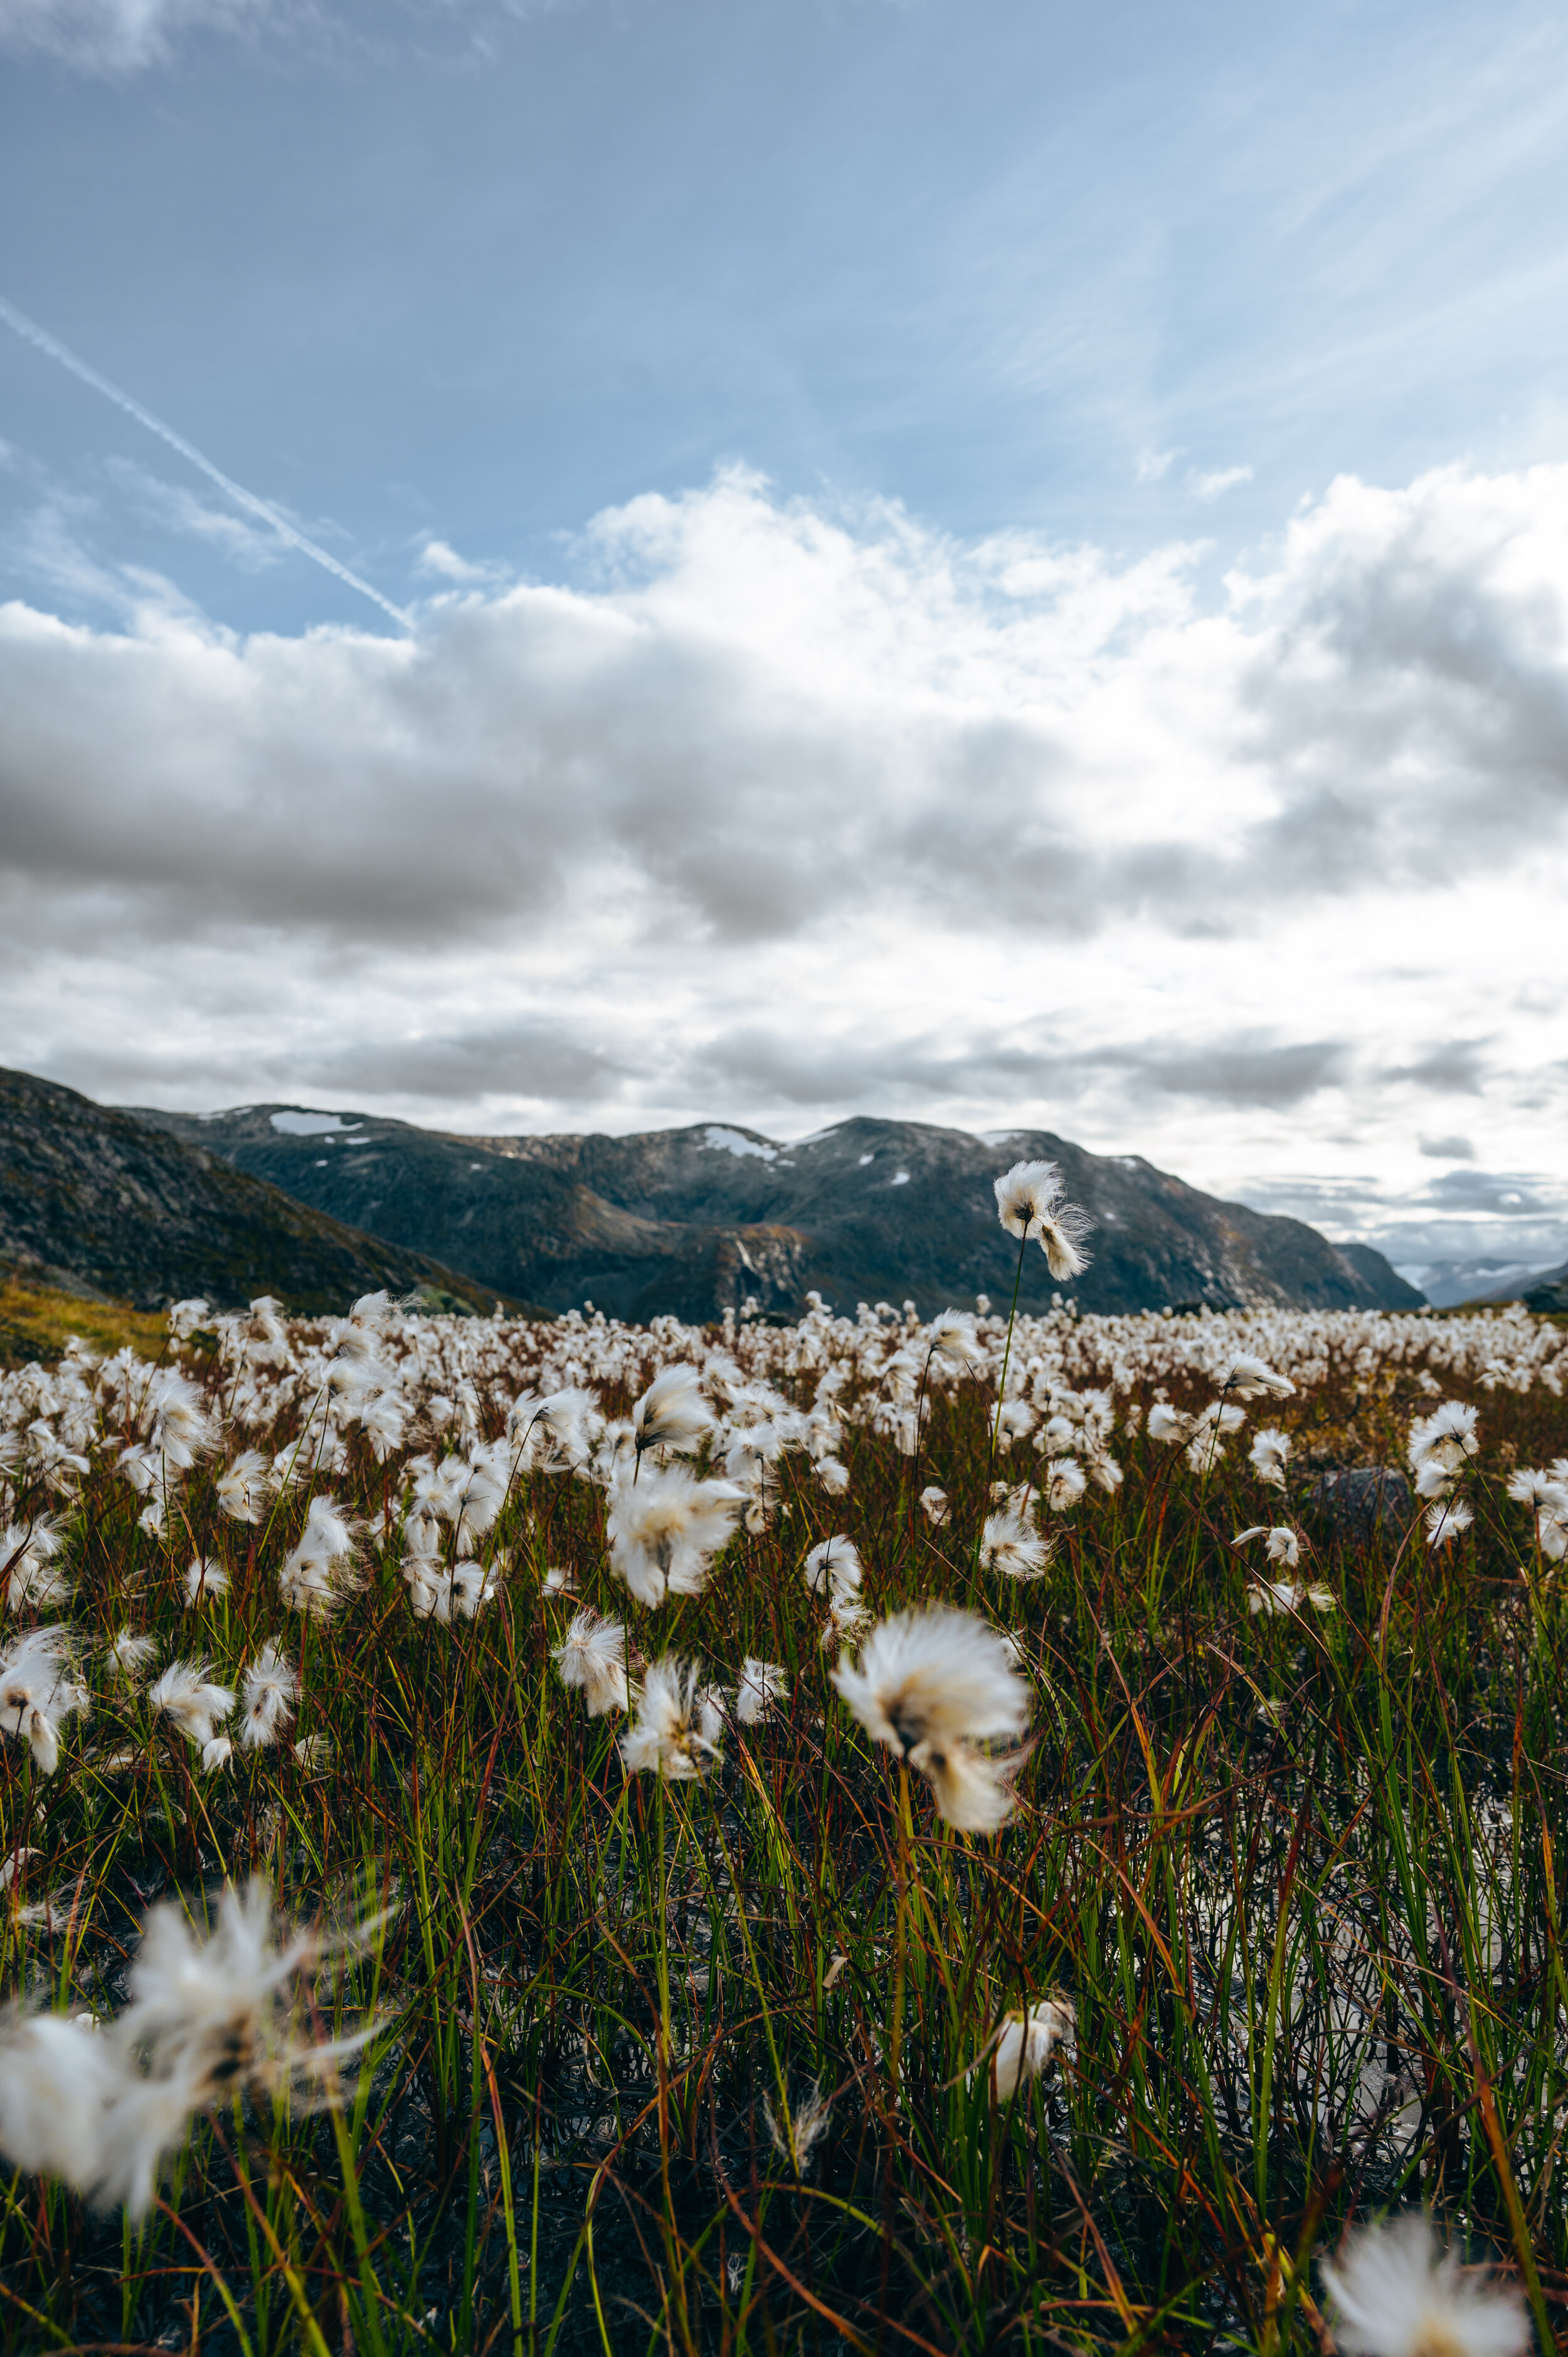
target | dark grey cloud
[
  {"x": 546, "y": 1059},
  {"x": 1503, "y": 1194},
  {"x": 1236, "y": 1070},
  {"x": 1241, "y": 1071},
  {"x": 1456, "y": 1068}
]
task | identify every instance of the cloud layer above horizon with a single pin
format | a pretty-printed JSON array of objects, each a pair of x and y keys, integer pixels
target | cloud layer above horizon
[{"x": 777, "y": 812}]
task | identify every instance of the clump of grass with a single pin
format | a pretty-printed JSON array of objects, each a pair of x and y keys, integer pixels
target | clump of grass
[
  {"x": 765, "y": 2051},
  {"x": 36, "y": 1322}
]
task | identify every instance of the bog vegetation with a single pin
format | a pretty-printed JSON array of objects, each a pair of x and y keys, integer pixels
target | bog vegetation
[{"x": 873, "y": 1835}]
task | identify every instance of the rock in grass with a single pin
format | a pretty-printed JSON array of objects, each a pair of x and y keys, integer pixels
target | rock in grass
[{"x": 1360, "y": 1501}]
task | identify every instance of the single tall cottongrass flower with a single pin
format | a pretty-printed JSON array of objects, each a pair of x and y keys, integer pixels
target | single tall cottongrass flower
[
  {"x": 1396, "y": 2293},
  {"x": 38, "y": 1693},
  {"x": 667, "y": 1735},
  {"x": 934, "y": 1685},
  {"x": 593, "y": 1657},
  {"x": 672, "y": 1413},
  {"x": 665, "y": 1529},
  {"x": 1024, "y": 2044},
  {"x": 1029, "y": 1204},
  {"x": 269, "y": 1687},
  {"x": 185, "y": 1694},
  {"x": 99, "y": 2105}
]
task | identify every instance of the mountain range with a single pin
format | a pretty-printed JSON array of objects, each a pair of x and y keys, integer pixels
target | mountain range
[{"x": 699, "y": 1220}]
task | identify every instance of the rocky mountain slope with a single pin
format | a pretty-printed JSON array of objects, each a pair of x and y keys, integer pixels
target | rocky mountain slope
[
  {"x": 106, "y": 1207},
  {"x": 694, "y": 1221}
]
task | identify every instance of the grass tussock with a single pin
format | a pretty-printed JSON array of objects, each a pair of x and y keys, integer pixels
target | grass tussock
[{"x": 684, "y": 2006}]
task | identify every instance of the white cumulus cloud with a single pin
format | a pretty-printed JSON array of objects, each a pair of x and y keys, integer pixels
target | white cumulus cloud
[{"x": 772, "y": 813}]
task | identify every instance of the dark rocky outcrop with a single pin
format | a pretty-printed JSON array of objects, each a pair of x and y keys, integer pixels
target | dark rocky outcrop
[
  {"x": 697, "y": 1220},
  {"x": 104, "y": 1206},
  {"x": 1360, "y": 1501}
]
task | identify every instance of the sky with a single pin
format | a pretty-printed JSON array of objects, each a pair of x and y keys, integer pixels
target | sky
[{"x": 605, "y": 564}]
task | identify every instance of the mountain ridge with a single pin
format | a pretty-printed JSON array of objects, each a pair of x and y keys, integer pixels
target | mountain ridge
[{"x": 697, "y": 1220}]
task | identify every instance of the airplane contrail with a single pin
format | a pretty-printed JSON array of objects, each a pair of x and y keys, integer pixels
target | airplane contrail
[{"x": 29, "y": 331}]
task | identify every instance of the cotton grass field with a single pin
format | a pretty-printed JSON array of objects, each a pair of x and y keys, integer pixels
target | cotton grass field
[{"x": 487, "y": 1865}]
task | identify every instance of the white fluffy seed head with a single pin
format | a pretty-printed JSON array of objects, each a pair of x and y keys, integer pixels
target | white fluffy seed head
[
  {"x": 1396, "y": 2293},
  {"x": 1029, "y": 1204}
]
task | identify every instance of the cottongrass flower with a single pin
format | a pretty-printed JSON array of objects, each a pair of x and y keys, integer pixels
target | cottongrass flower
[
  {"x": 832, "y": 1474},
  {"x": 667, "y": 1735},
  {"x": 1247, "y": 1377},
  {"x": 1396, "y": 2293},
  {"x": 1024, "y": 2044},
  {"x": 672, "y": 1413},
  {"x": 100, "y": 2105},
  {"x": 805, "y": 2123},
  {"x": 1548, "y": 1497},
  {"x": 1445, "y": 1518},
  {"x": 1446, "y": 1438},
  {"x": 1170, "y": 1425},
  {"x": 38, "y": 1695},
  {"x": 36, "y": 1579},
  {"x": 269, "y": 1688},
  {"x": 1010, "y": 1545},
  {"x": 321, "y": 1573},
  {"x": 1269, "y": 1454},
  {"x": 1029, "y": 1204},
  {"x": 204, "y": 1578},
  {"x": 934, "y": 1685},
  {"x": 182, "y": 1427},
  {"x": 593, "y": 1657},
  {"x": 1015, "y": 1419},
  {"x": 1284, "y": 1543},
  {"x": 244, "y": 1489},
  {"x": 186, "y": 1694},
  {"x": 1065, "y": 1485},
  {"x": 952, "y": 1337},
  {"x": 1207, "y": 1446},
  {"x": 129, "y": 1656},
  {"x": 935, "y": 1505},
  {"x": 665, "y": 1529},
  {"x": 833, "y": 1568},
  {"x": 763, "y": 1685},
  {"x": 1273, "y": 1596}
]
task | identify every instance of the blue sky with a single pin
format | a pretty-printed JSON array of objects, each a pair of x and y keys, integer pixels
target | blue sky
[{"x": 1011, "y": 338}]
